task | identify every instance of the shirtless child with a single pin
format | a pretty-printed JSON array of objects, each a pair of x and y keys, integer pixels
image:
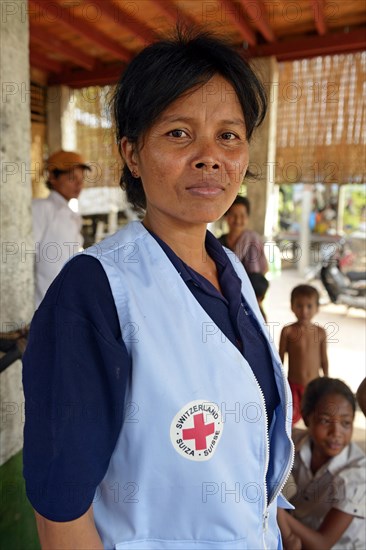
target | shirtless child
[{"x": 305, "y": 343}]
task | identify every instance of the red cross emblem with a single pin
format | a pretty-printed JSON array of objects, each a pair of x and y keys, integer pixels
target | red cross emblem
[{"x": 199, "y": 432}]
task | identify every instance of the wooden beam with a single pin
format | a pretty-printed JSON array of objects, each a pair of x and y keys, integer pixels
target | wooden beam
[
  {"x": 328, "y": 44},
  {"x": 50, "y": 42},
  {"x": 173, "y": 13},
  {"x": 118, "y": 14},
  {"x": 319, "y": 16},
  {"x": 40, "y": 61},
  {"x": 288, "y": 50},
  {"x": 101, "y": 75},
  {"x": 258, "y": 16},
  {"x": 64, "y": 17},
  {"x": 232, "y": 13}
]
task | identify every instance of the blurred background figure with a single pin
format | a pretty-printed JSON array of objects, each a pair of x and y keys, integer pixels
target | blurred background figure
[
  {"x": 246, "y": 243},
  {"x": 56, "y": 227},
  {"x": 361, "y": 396},
  {"x": 305, "y": 344},
  {"x": 260, "y": 286},
  {"x": 329, "y": 472}
]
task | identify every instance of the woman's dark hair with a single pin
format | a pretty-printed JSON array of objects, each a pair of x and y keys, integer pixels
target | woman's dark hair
[
  {"x": 317, "y": 389},
  {"x": 162, "y": 72}
]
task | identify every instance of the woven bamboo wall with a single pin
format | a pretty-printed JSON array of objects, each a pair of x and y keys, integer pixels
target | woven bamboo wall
[
  {"x": 38, "y": 88},
  {"x": 95, "y": 136},
  {"x": 320, "y": 125},
  {"x": 321, "y": 120}
]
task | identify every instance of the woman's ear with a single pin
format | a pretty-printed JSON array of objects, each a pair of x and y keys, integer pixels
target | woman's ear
[{"x": 128, "y": 151}]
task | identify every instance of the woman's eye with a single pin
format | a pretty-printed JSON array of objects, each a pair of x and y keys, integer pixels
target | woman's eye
[
  {"x": 177, "y": 133},
  {"x": 324, "y": 421},
  {"x": 228, "y": 136}
]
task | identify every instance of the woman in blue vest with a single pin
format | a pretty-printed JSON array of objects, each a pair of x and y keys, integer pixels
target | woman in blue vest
[{"x": 157, "y": 411}]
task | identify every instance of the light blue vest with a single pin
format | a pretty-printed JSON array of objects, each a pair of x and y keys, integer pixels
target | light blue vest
[{"x": 189, "y": 467}]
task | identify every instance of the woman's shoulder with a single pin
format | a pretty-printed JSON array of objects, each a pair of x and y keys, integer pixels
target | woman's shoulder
[
  {"x": 80, "y": 269},
  {"x": 81, "y": 293},
  {"x": 80, "y": 279}
]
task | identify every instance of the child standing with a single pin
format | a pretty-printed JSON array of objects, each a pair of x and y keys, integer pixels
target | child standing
[
  {"x": 329, "y": 472},
  {"x": 305, "y": 343}
]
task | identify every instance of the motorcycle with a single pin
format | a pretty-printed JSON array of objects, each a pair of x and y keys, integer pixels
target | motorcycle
[{"x": 348, "y": 289}]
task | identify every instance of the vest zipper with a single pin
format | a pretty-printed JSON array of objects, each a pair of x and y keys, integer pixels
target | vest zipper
[
  {"x": 265, "y": 508},
  {"x": 291, "y": 463},
  {"x": 265, "y": 527}
]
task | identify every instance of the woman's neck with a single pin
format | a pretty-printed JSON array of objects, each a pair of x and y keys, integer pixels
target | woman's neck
[{"x": 188, "y": 243}]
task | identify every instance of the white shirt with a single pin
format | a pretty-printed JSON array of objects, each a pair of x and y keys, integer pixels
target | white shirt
[
  {"x": 56, "y": 231},
  {"x": 340, "y": 484}
]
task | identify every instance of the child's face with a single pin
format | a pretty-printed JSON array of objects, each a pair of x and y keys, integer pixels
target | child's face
[
  {"x": 304, "y": 307},
  {"x": 330, "y": 426}
]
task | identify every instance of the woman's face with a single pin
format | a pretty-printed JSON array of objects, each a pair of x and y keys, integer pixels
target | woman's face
[
  {"x": 193, "y": 159},
  {"x": 237, "y": 218}
]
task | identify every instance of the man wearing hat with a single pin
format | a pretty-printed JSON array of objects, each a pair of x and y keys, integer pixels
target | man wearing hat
[{"x": 56, "y": 228}]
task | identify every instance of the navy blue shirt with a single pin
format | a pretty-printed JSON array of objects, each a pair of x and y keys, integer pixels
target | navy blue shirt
[{"x": 76, "y": 368}]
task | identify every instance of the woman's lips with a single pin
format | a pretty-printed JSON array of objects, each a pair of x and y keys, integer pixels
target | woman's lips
[{"x": 205, "y": 189}]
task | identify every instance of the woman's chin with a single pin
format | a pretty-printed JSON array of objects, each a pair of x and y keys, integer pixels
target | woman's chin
[{"x": 208, "y": 215}]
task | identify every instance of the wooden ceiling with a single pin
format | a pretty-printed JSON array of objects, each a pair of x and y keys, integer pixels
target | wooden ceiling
[{"x": 88, "y": 42}]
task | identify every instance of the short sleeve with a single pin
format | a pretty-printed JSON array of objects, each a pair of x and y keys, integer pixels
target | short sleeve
[
  {"x": 349, "y": 491},
  {"x": 75, "y": 371}
]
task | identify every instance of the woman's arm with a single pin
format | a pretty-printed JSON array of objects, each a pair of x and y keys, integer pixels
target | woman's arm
[
  {"x": 330, "y": 531},
  {"x": 73, "y": 401},
  {"x": 79, "y": 534}
]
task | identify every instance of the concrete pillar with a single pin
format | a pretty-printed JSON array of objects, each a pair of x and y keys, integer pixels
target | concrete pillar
[
  {"x": 61, "y": 124},
  {"x": 16, "y": 280},
  {"x": 261, "y": 191}
]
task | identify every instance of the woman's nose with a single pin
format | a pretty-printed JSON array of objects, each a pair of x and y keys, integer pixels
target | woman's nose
[
  {"x": 206, "y": 158},
  {"x": 208, "y": 165}
]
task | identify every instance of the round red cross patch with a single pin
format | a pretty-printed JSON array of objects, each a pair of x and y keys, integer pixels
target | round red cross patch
[{"x": 196, "y": 430}]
